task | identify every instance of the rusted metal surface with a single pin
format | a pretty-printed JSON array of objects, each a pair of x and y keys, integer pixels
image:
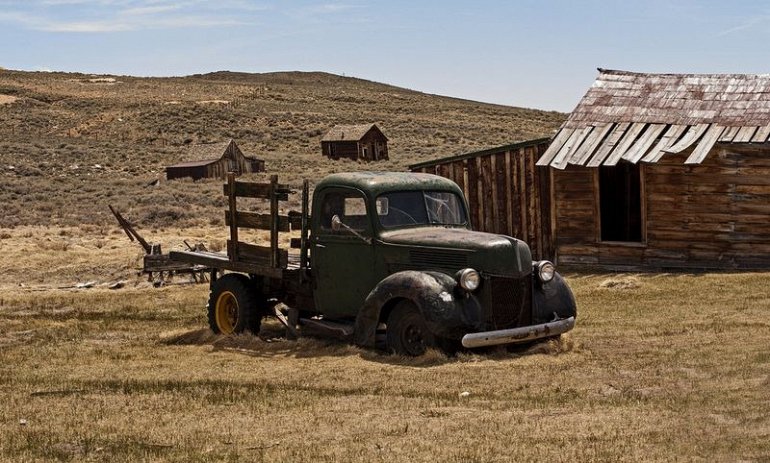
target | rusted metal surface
[
  {"x": 157, "y": 264},
  {"x": 518, "y": 335},
  {"x": 700, "y": 109}
]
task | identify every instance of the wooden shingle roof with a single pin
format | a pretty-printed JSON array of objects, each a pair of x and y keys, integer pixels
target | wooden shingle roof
[
  {"x": 641, "y": 117},
  {"x": 348, "y": 132}
]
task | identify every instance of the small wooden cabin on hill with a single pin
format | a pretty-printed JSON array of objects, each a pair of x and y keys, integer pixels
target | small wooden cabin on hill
[
  {"x": 658, "y": 171},
  {"x": 215, "y": 160},
  {"x": 365, "y": 141},
  {"x": 506, "y": 192}
]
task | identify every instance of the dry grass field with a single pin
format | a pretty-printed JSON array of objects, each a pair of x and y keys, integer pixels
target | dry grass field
[
  {"x": 659, "y": 367},
  {"x": 72, "y": 143}
]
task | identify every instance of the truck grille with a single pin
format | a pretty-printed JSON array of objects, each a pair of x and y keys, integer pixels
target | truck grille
[
  {"x": 438, "y": 258},
  {"x": 509, "y": 302}
]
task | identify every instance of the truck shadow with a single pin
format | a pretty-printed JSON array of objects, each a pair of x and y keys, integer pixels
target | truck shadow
[{"x": 271, "y": 343}]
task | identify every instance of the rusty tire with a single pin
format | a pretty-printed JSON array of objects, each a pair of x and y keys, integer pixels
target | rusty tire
[
  {"x": 234, "y": 305},
  {"x": 406, "y": 332}
]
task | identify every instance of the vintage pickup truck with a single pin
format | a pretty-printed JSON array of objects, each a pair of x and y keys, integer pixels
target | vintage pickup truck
[{"x": 385, "y": 260}]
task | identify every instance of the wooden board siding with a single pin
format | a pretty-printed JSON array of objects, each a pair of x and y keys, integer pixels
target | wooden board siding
[
  {"x": 231, "y": 160},
  {"x": 340, "y": 149},
  {"x": 709, "y": 215},
  {"x": 507, "y": 193},
  {"x": 355, "y": 142}
]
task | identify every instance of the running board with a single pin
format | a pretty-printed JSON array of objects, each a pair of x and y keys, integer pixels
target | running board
[{"x": 327, "y": 328}]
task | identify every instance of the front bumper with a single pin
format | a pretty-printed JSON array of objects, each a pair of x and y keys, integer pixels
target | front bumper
[{"x": 517, "y": 335}]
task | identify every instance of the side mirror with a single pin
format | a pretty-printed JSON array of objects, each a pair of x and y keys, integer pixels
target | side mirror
[{"x": 336, "y": 223}]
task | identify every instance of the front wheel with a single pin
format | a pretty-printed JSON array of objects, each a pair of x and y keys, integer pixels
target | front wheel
[
  {"x": 234, "y": 305},
  {"x": 406, "y": 332}
]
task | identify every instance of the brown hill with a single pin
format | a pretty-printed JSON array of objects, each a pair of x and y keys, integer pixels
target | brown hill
[{"x": 71, "y": 143}]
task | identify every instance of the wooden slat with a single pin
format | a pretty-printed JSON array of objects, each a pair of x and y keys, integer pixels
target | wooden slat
[
  {"x": 669, "y": 138},
  {"x": 509, "y": 193},
  {"x": 559, "y": 161},
  {"x": 295, "y": 220},
  {"x": 555, "y": 146},
  {"x": 257, "y": 190},
  {"x": 259, "y": 255},
  {"x": 706, "y": 143},
  {"x": 257, "y": 220},
  {"x": 628, "y": 140},
  {"x": 762, "y": 134},
  {"x": 608, "y": 145},
  {"x": 580, "y": 156},
  {"x": 636, "y": 152},
  {"x": 211, "y": 259},
  {"x": 232, "y": 208},
  {"x": 693, "y": 134},
  {"x": 575, "y": 147},
  {"x": 745, "y": 134},
  {"x": 729, "y": 134}
]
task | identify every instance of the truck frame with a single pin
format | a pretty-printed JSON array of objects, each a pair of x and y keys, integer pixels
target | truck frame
[{"x": 385, "y": 260}]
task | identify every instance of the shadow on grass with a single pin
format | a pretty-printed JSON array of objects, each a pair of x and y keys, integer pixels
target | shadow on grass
[{"x": 271, "y": 343}]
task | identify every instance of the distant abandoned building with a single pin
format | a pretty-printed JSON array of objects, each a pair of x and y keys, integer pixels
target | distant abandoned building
[
  {"x": 215, "y": 160},
  {"x": 664, "y": 171},
  {"x": 506, "y": 192},
  {"x": 364, "y": 141}
]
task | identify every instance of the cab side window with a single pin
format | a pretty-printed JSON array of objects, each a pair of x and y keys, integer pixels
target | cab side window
[{"x": 349, "y": 206}]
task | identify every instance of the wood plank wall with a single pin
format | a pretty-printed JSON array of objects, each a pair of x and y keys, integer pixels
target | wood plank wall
[
  {"x": 507, "y": 193},
  {"x": 712, "y": 215}
]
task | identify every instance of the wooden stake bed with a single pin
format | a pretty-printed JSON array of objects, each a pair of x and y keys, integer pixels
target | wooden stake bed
[{"x": 269, "y": 261}]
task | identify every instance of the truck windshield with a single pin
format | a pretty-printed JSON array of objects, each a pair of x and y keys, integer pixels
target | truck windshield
[{"x": 408, "y": 208}]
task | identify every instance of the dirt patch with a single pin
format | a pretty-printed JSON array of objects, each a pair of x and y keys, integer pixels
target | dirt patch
[
  {"x": 103, "y": 80},
  {"x": 213, "y": 102},
  {"x": 7, "y": 99},
  {"x": 621, "y": 282}
]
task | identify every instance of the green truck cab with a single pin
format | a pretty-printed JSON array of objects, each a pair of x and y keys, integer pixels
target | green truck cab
[{"x": 390, "y": 260}]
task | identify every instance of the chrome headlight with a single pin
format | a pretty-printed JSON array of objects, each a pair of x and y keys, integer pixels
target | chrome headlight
[
  {"x": 545, "y": 271},
  {"x": 469, "y": 279}
]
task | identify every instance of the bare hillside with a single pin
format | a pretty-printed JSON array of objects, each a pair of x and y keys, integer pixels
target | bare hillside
[{"x": 71, "y": 143}]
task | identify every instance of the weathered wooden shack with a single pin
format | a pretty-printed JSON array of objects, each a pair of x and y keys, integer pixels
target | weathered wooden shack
[
  {"x": 507, "y": 193},
  {"x": 656, "y": 171},
  {"x": 214, "y": 160},
  {"x": 365, "y": 141}
]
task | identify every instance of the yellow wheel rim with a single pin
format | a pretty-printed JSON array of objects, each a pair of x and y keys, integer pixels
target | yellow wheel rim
[{"x": 227, "y": 312}]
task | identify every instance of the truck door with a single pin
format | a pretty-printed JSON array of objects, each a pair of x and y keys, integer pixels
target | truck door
[{"x": 342, "y": 255}]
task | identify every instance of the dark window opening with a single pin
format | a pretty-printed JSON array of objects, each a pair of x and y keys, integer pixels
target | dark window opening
[{"x": 620, "y": 202}]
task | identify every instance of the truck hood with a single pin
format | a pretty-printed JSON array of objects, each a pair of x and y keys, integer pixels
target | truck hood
[{"x": 454, "y": 247}]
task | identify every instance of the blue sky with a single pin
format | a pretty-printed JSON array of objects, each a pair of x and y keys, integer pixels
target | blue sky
[{"x": 539, "y": 54}]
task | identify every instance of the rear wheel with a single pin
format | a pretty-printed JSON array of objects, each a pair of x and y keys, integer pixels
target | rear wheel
[
  {"x": 234, "y": 305},
  {"x": 406, "y": 332}
]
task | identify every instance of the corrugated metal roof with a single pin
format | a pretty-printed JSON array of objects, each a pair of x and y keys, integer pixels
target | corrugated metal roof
[
  {"x": 348, "y": 132},
  {"x": 641, "y": 117}
]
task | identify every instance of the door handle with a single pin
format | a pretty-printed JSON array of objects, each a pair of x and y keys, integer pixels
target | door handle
[{"x": 319, "y": 245}]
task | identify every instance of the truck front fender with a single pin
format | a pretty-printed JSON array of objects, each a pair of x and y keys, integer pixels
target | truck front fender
[{"x": 434, "y": 293}]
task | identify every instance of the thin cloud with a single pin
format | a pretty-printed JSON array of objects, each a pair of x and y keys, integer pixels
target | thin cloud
[
  {"x": 102, "y": 17},
  {"x": 149, "y": 10},
  {"x": 748, "y": 24}
]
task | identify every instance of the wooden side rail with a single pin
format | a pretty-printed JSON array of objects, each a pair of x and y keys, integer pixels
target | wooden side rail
[{"x": 274, "y": 192}]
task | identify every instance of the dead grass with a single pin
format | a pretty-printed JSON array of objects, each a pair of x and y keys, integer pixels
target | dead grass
[
  {"x": 71, "y": 143},
  {"x": 677, "y": 368}
]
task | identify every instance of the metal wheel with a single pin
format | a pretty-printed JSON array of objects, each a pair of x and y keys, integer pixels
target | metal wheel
[
  {"x": 234, "y": 305},
  {"x": 407, "y": 333},
  {"x": 226, "y": 312}
]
